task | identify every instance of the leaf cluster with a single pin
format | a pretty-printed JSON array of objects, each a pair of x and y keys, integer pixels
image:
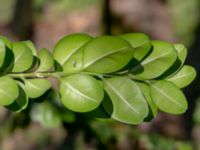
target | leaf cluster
[{"x": 127, "y": 77}]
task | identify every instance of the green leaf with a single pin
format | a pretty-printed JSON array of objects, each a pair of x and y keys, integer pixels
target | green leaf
[
  {"x": 46, "y": 114},
  {"x": 163, "y": 56},
  {"x": 23, "y": 57},
  {"x": 68, "y": 46},
  {"x": 140, "y": 42},
  {"x": 184, "y": 76},
  {"x": 46, "y": 60},
  {"x": 30, "y": 45},
  {"x": 36, "y": 87},
  {"x": 7, "y": 43},
  {"x": 21, "y": 102},
  {"x": 152, "y": 107},
  {"x": 2, "y": 52},
  {"x": 129, "y": 104},
  {"x": 8, "y": 90},
  {"x": 168, "y": 97},
  {"x": 182, "y": 52},
  {"x": 81, "y": 93},
  {"x": 106, "y": 54}
]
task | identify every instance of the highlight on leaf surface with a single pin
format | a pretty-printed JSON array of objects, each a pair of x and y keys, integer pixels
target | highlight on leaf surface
[{"x": 128, "y": 78}]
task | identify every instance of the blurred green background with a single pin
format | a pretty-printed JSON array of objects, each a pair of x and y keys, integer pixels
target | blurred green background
[{"x": 44, "y": 127}]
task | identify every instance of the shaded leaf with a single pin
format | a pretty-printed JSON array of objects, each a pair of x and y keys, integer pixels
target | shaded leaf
[
  {"x": 8, "y": 90},
  {"x": 2, "y": 52},
  {"x": 36, "y": 87},
  {"x": 168, "y": 97},
  {"x": 129, "y": 104},
  {"x": 21, "y": 101},
  {"x": 106, "y": 54},
  {"x": 46, "y": 60},
  {"x": 163, "y": 56},
  {"x": 184, "y": 76},
  {"x": 152, "y": 107},
  {"x": 81, "y": 93},
  {"x": 23, "y": 57}
]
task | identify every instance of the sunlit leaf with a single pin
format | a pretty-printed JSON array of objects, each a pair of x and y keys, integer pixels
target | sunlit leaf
[
  {"x": 181, "y": 51},
  {"x": 36, "y": 87},
  {"x": 163, "y": 56},
  {"x": 2, "y": 52},
  {"x": 184, "y": 77},
  {"x": 30, "y": 45},
  {"x": 110, "y": 54},
  {"x": 8, "y": 90},
  {"x": 129, "y": 104},
  {"x": 23, "y": 57},
  {"x": 140, "y": 42},
  {"x": 7, "y": 43},
  {"x": 46, "y": 60},
  {"x": 168, "y": 97},
  {"x": 81, "y": 93}
]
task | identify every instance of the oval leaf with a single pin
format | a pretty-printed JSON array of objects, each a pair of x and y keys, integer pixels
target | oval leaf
[
  {"x": 168, "y": 97},
  {"x": 81, "y": 93},
  {"x": 46, "y": 60},
  {"x": 36, "y": 87},
  {"x": 140, "y": 42},
  {"x": 106, "y": 54},
  {"x": 2, "y": 52},
  {"x": 68, "y": 46},
  {"x": 163, "y": 56},
  {"x": 32, "y": 47},
  {"x": 152, "y": 107},
  {"x": 184, "y": 77},
  {"x": 7, "y": 43},
  {"x": 21, "y": 101},
  {"x": 182, "y": 52},
  {"x": 129, "y": 104},
  {"x": 23, "y": 57},
  {"x": 8, "y": 90}
]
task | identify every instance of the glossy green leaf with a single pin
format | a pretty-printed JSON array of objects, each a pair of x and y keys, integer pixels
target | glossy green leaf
[
  {"x": 140, "y": 42},
  {"x": 8, "y": 90},
  {"x": 7, "y": 43},
  {"x": 106, "y": 54},
  {"x": 184, "y": 76},
  {"x": 23, "y": 57},
  {"x": 36, "y": 87},
  {"x": 81, "y": 93},
  {"x": 168, "y": 97},
  {"x": 129, "y": 104},
  {"x": 21, "y": 101},
  {"x": 163, "y": 56},
  {"x": 182, "y": 52},
  {"x": 46, "y": 114},
  {"x": 2, "y": 52},
  {"x": 32, "y": 47},
  {"x": 152, "y": 107},
  {"x": 46, "y": 60},
  {"x": 68, "y": 46}
]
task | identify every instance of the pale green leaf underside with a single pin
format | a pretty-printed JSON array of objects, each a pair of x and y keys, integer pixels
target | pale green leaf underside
[
  {"x": 8, "y": 90},
  {"x": 46, "y": 60},
  {"x": 81, "y": 93},
  {"x": 2, "y": 52},
  {"x": 184, "y": 76},
  {"x": 23, "y": 57},
  {"x": 168, "y": 97},
  {"x": 157, "y": 62},
  {"x": 181, "y": 51},
  {"x": 129, "y": 104},
  {"x": 36, "y": 87},
  {"x": 140, "y": 43},
  {"x": 106, "y": 54},
  {"x": 30, "y": 45}
]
